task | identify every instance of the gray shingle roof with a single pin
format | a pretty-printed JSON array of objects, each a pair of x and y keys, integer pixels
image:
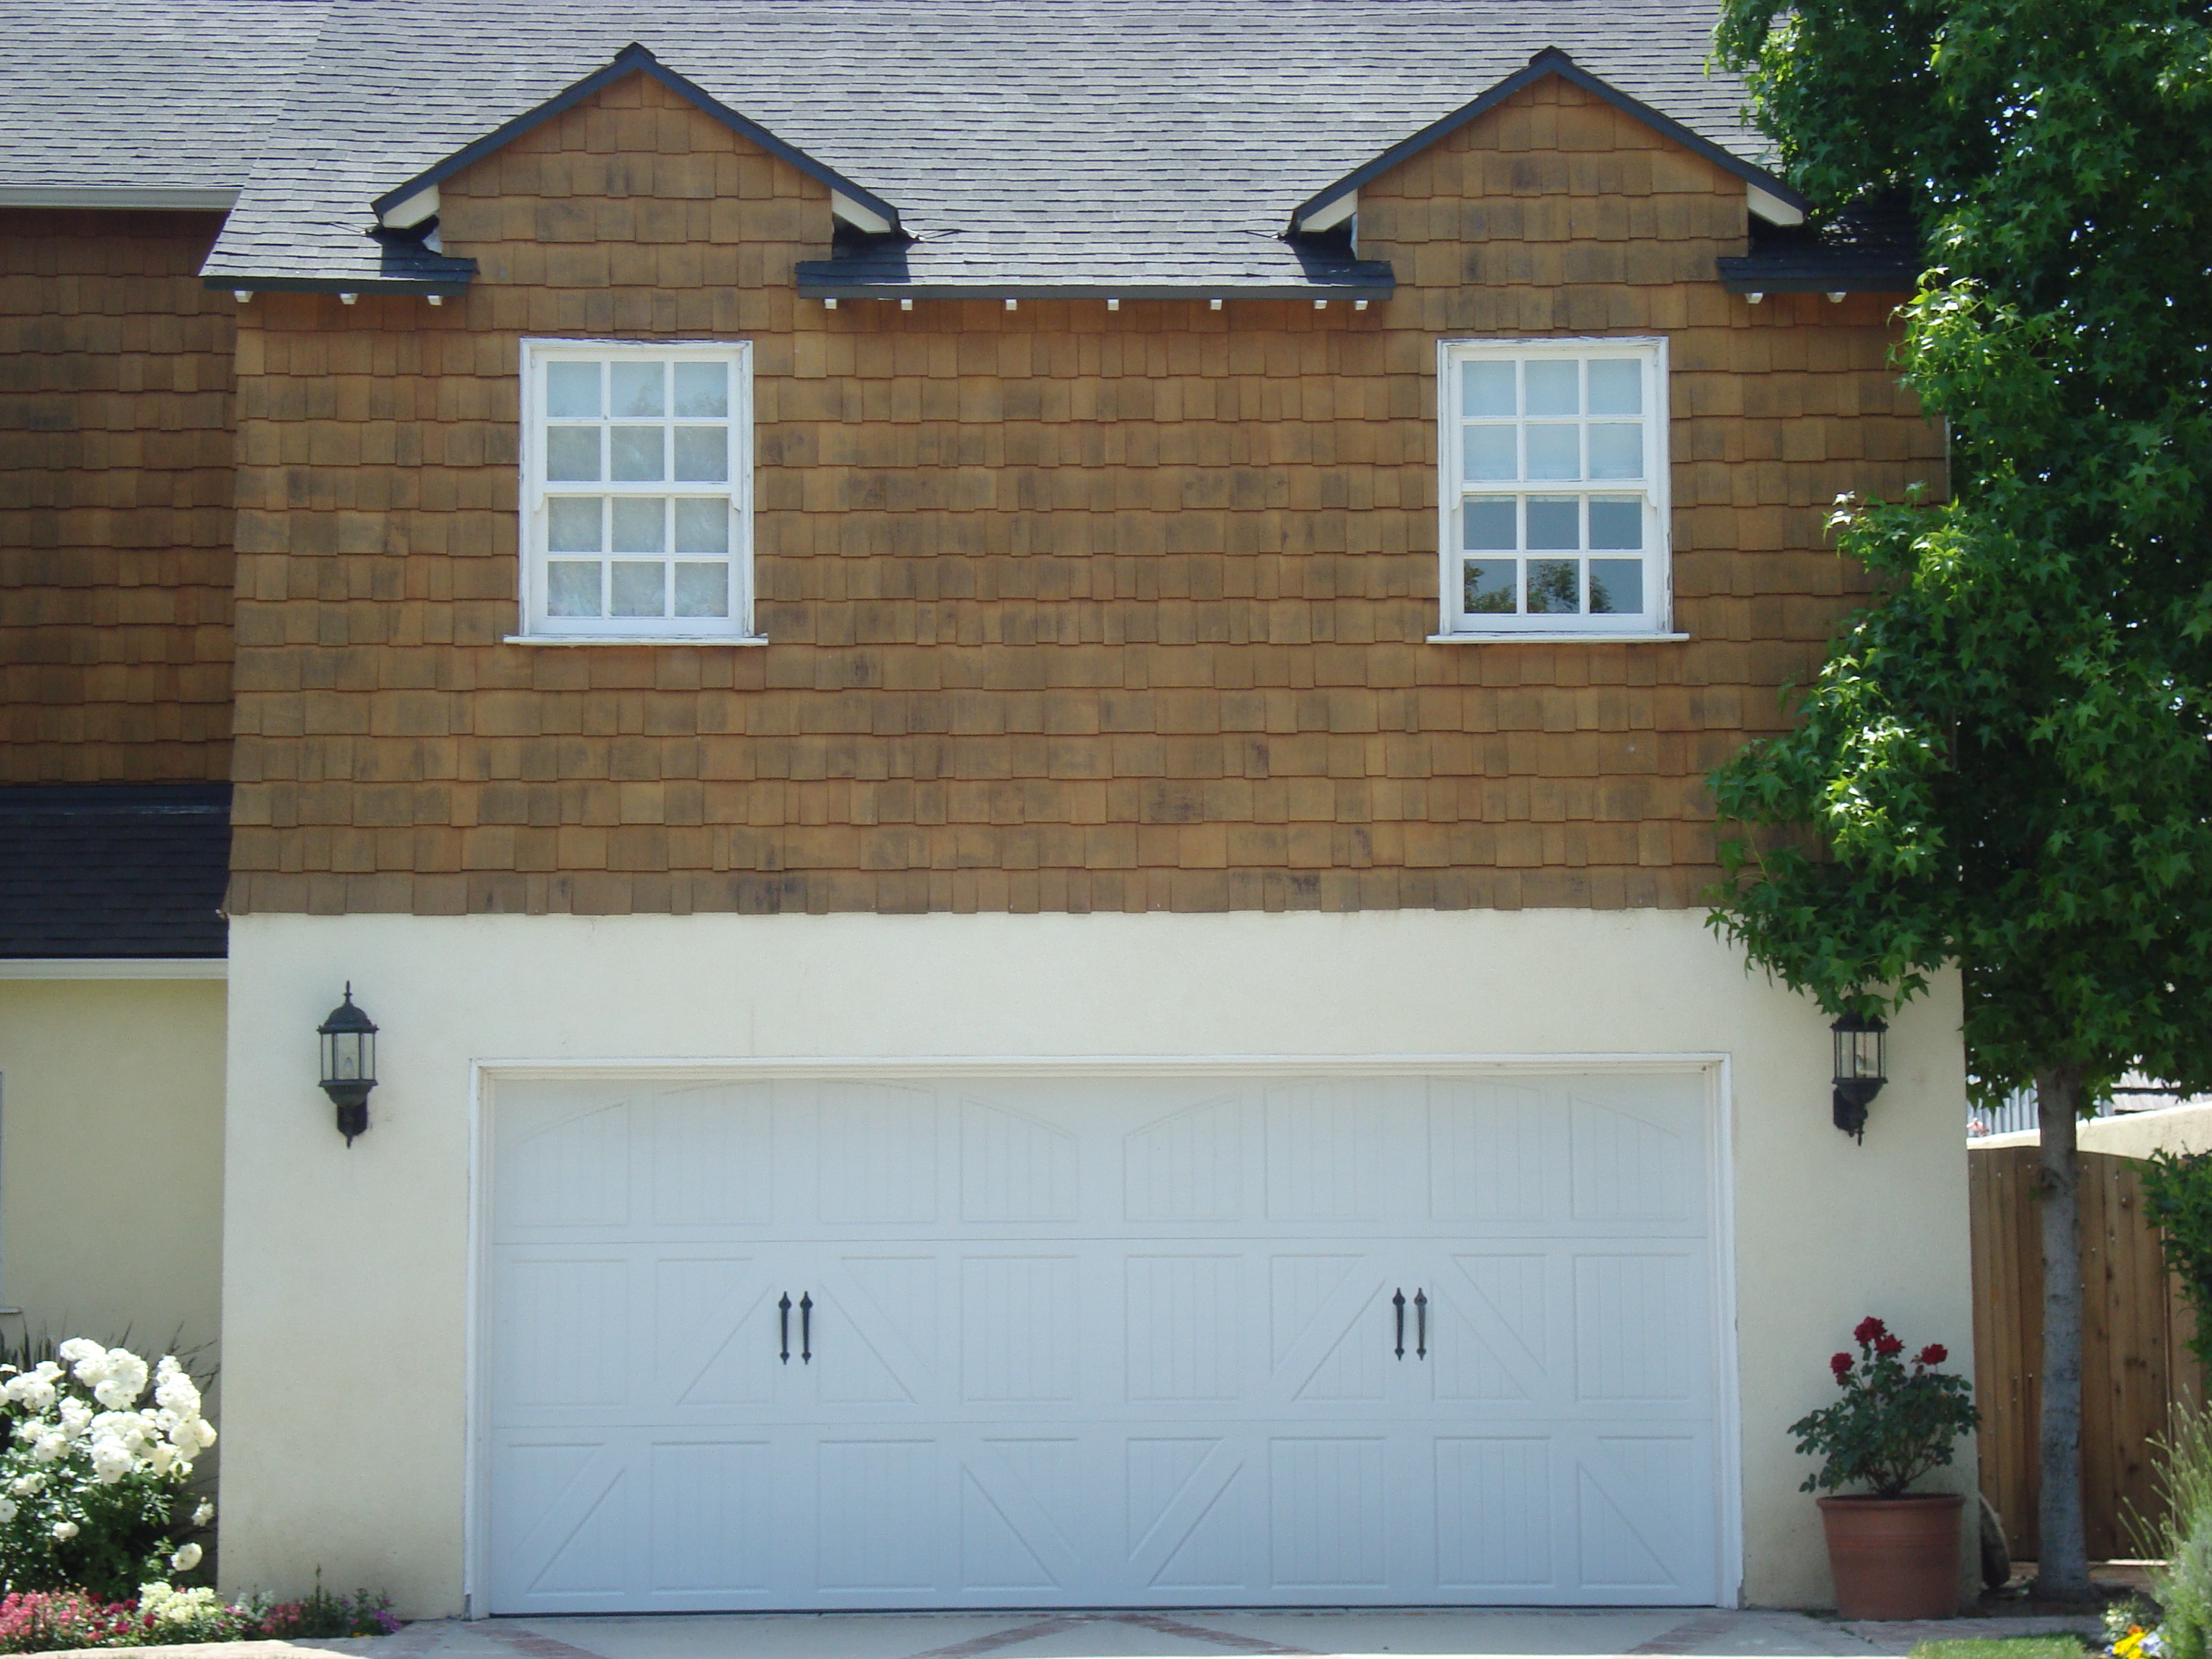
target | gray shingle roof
[
  {"x": 114, "y": 870},
  {"x": 146, "y": 99},
  {"x": 1113, "y": 144}
]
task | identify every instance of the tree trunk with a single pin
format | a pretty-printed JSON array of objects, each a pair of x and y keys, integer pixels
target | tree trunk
[{"x": 2061, "y": 1556}]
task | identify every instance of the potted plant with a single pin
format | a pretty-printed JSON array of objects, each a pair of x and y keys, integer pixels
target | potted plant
[{"x": 1894, "y": 1551}]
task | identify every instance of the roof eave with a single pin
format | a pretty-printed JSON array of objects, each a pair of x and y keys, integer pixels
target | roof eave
[
  {"x": 444, "y": 287},
  {"x": 634, "y": 58},
  {"x": 815, "y": 284},
  {"x": 1749, "y": 274},
  {"x": 1551, "y": 60}
]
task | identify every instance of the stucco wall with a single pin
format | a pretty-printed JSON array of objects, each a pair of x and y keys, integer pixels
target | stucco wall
[
  {"x": 2135, "y": 1135},
  {"x": 110, "y": 1158},
  {"x": 346, "y": 1287}
]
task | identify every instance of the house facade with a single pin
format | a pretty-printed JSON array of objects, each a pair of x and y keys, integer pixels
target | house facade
[{"x": 1005, "y": 712}]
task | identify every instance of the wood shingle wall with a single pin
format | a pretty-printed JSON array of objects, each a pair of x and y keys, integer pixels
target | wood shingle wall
[
  {"x": 1069, "y": 610},
  {"x": 115, "y": 500}
]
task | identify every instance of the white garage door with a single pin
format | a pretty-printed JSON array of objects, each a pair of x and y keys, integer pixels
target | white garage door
[{"x": 1132, "y": 1340}]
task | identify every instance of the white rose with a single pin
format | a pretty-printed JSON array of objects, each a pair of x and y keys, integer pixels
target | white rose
[
  {"x": 34, "y": 1391},
  {"x": 203, "y": 1431},
  {"x": 160, "y": 1456},
  {"x": 27, "y": 1485},
  {"x": 110, "y": 1460},
  {"x": 49, "y": 1447},
  {"x": 204, "y": 1514},
  {"x": 7, "y": 1510},
  {"x": 177, "y": 1393},
  {"x": 185, "y": 1558},
  {"x": 116, "y": 1393},
  {"x": 63, "y": 1531},
  {"x": 78, "y": 1349},
  {"x": 77, "y": 1417}
]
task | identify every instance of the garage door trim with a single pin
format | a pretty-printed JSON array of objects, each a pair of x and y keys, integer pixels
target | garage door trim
[{"x": 485, "y": 1075}]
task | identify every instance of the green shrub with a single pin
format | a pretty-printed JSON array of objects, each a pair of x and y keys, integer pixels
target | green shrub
[
  {"x": 93, "y": 1475},
  {"x": 2184, "y": 1538},
  {"x": 2178, "y": 1194}
]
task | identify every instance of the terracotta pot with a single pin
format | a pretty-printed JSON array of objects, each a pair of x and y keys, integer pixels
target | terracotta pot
[{"x": 1894, "y": 1558}]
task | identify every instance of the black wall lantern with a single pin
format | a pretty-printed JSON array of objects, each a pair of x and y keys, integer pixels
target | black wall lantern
[
  {"x": 348, "y": 1064},
  {"x": 1858, "y": 1070}
]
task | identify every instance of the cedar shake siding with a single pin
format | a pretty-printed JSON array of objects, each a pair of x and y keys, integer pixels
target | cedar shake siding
[
  {"x": 1068, "y": 609},
  {"x": 115, "y": 500}
]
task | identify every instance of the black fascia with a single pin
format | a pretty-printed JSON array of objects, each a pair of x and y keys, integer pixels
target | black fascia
[
  {"x": 443, "y": 287},
  {"x": 818, "y": 280},
  {"x": 1550, "y": 61},
  {"x": 634, "y": 58},
  {"x": 1809, "y": 273}
]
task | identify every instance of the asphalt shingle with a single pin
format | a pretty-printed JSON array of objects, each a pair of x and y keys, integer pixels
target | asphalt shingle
[
  {"x": 114, "y": 870},
  {"x": 1107, "y": 142}
]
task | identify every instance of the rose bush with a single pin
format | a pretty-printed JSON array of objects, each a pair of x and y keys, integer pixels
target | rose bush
[
  {"x": 92, "y": 1473},
  {"x": 163, "y": 1615},
  {"x": 1893, "y": 1425}
]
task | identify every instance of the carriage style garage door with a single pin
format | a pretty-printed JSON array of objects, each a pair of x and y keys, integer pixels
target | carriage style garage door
[{"x": 1047, "y": 1340}]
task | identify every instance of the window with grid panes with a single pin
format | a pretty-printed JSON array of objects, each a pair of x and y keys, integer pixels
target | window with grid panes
[
  {"x": 636, "y": 522},
  {"x": 1555, "y": 499}
]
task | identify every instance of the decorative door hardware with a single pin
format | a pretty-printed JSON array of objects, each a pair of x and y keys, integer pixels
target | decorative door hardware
[
  {"x": 783, "y": 1324},
  {"x": 1420, "y": 1324},
  {"x": 806, "y": 1327},
  {"x": 1398, "y": 1302}
]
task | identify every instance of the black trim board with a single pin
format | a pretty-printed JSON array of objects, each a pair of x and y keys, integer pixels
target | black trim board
[
  {"x": 634, "y": 59},
  {"x": 444, "y": 287},
  {"x": 813, "y": 286},
  {"x": 1550, "y": 61}
]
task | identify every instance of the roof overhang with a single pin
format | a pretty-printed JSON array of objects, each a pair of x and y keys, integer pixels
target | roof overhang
[
  {"x": 123, "y": 198},
  {"x": 815, "y": 283},
  {"x": 1315, "y": 209},
  {"x": 635, "y": 59},
  {"x": 1766, "y": 274}
]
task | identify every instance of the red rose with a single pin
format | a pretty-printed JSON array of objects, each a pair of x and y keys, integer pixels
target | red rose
[
  {"x": 1886, "y": 1344},
  {"x": 1934, "y": 1354},
  {"x": 1867, "y": 1330},
  {"x": 1841, "y": 1365}
]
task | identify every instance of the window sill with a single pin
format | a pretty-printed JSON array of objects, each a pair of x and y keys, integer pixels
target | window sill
[
  {"x": 634, "y": 639},
  {"x": 1556, "y": 637}
]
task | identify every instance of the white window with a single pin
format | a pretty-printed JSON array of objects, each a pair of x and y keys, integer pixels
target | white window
[
  {"x": 1554, "y": 496},
  {"x": 637, "y": 497}
]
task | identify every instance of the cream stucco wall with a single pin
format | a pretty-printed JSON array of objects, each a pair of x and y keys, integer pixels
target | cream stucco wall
[
  {"x": 346, "y": 1282},
  {"x": 2133, "y": 1134},
  {"x": 110, "y": 1158}
]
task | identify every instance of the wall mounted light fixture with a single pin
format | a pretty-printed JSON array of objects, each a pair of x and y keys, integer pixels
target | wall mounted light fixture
[
  {"x": 1859, "y": 1075},
  {"x": 348, "y": 1064}
]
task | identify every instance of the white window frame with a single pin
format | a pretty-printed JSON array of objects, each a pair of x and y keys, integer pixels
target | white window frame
[
  {"x": 540, "y": 628},
  {"x": 1459, "y": 626}
]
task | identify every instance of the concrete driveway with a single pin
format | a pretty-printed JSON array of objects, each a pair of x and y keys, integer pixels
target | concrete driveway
[{"x": 1625, "y": 1633}]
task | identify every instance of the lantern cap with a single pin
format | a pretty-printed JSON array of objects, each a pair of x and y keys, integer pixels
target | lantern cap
[
  {"x": 346, "y": 1017},
  {"x": 1853, "y": 1020}
]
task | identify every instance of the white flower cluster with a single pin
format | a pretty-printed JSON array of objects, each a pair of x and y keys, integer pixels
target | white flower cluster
[
  {"x": 119, "y": 1438},
  {"x": 165, "y": 1604}
]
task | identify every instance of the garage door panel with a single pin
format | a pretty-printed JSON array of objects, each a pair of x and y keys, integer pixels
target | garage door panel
[
  {"x": 1641, "y": 1329},
  {"x": 713, "y": 1537},
  {"x": 877, "y": 1326},
  {"x": 1021, "y": 1514},
  {"x": 714, "y": 1343},
  {"x": 1640, "y": 1499},
  {"x": 1327, "y": 1525},
  {"x": 1188, "y": 1508},
  {"x": 1332, "y": 1333},
  {"x": 1497, "y": 1520},
  {"x": 566, "y": 1540},
  {"x": 1021, "y": 1320},
  {"x": 1091, "y": 1342},
  {"x": 1188, "y": 1165},
  {"x": 1187, "y": 1336},
  {"x": 876, "y": 1155},
  {"x": 880, "y": 1509}
]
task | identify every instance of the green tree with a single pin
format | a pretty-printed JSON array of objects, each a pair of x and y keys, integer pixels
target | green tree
[{"x": 2004, "y": 762}]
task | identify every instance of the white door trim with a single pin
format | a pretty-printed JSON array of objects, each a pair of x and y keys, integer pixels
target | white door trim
[{"x": 485, "y": 1073}]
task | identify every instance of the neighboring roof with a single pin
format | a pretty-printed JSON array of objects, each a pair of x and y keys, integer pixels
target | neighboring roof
[
  {"x": 114, "y": 870},
  {"x": 1871, "y": 247},
  {"x": 156, "y": 103},
  {"x": 1040, "y": 145}
]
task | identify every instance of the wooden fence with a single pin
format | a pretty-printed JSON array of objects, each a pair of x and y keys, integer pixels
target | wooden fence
[{"x": 2135, "y": 1367}]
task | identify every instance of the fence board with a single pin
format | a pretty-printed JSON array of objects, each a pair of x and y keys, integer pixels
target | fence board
[{"x": 2136, "y": 1366}]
